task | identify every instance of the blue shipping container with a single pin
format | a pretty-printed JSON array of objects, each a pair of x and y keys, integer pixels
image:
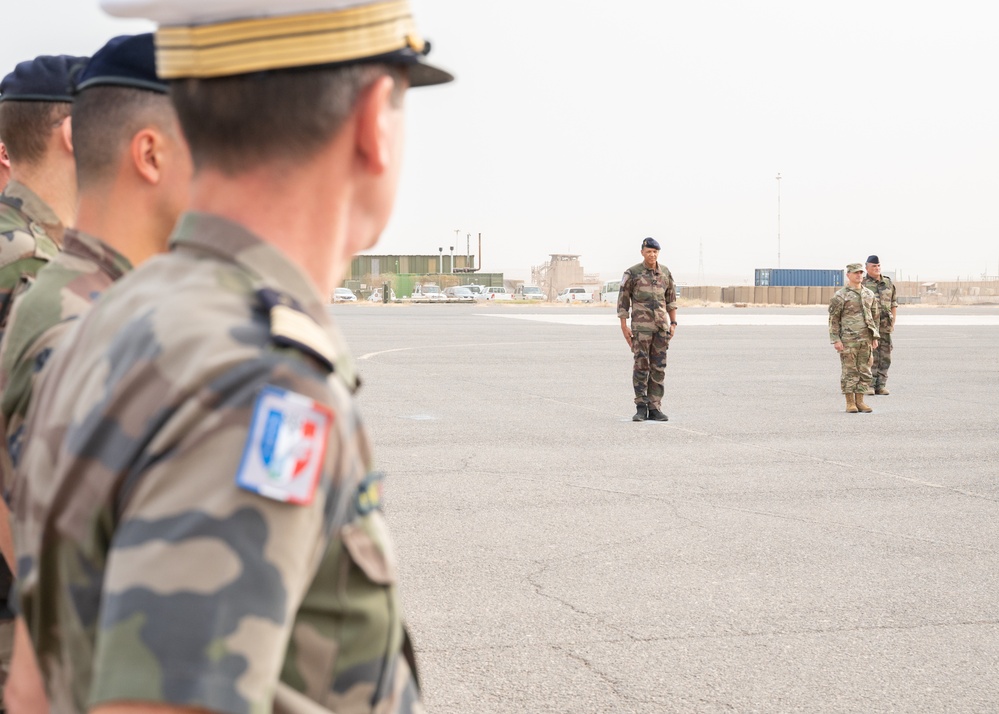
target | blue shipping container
[{"x": 791, "y": 277}]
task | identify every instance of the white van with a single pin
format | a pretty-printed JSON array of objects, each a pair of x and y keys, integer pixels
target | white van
[{"x": 610, "y": 291}]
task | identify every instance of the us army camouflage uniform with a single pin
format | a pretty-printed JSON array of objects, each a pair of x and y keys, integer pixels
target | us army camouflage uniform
[
  {"x": 42, "y": 313},
  {"x": 145, "y": 571},
  {"x": 884, "y": 292},
  {"x": 853, "y": 321},
  {"x": 30, "y": 235},
  {"x": 648, "y": 294}
]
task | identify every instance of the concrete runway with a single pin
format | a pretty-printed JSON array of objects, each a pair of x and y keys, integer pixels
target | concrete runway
[{"x": 763, "y": 551}]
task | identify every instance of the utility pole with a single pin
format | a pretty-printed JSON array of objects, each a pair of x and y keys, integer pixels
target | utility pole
[
  {"x": 778, "y": 219},
  {"x": 700, "y": 265}
]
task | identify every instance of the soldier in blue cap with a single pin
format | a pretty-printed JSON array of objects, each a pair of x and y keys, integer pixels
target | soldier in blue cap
[
  {"x": 133, "y": 172},
  {"x": 40, "y": 199},
  {"x": 884, "y": 290},
  {"x": 36, "y": 204},
  {"x": 648, "y": 294},
  {"x": 194, "y": 456}
]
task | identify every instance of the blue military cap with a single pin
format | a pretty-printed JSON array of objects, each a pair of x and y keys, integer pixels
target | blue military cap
[
  {"x": 221, "y": 38},
  {"x": 46, "y": 78},
  {"x": 125, "y": 61},
  {"x": 651, "y": 243},
  {"x": 873, "y": 259}
]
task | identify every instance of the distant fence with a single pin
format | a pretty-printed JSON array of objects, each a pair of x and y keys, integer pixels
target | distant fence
[{"x": 939, "y": 293}]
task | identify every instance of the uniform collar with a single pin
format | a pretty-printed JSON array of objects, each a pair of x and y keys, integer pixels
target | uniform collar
[
  {"x": 234, "y": 243},
  {"x": 86, "y": 246},
  {"x": 19, "y": 196}
]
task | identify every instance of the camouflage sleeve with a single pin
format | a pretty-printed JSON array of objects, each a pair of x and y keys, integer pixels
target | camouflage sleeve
[
  {"x": 670, "y": 292},
  {"x": 10, "y": 277},
  {"x": 624, "y": 295},
  {"x": 203, "y": 575},
  {"x": 835, "y": 318},
  {"x": 894, "y": 296}
]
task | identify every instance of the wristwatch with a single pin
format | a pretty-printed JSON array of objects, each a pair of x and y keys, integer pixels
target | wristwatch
[{"x": 672, "y": 323}]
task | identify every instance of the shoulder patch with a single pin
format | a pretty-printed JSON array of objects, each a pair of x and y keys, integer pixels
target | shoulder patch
[
  {"x": 291, "y": 327},
  {"x": 286, "y": 446}
]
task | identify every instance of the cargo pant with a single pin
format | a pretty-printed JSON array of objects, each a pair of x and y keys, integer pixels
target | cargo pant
[
  {"x": 649, "y": 375},
  {"x": 856, "y": 363},
  {"x": 882, "y": 360}
]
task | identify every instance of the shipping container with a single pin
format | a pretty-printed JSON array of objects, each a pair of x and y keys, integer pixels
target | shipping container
[{"x": 791, "y": 277}]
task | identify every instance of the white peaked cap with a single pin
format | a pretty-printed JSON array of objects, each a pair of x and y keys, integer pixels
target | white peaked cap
[{"x": 219, "y": 38}]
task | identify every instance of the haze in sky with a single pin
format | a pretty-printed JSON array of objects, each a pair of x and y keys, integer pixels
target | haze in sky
[{"x": 581, "y": 127}]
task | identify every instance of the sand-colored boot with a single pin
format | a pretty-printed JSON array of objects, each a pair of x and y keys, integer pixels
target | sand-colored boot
[
  {"x": 851, "y": 403},
  {"x": 861, "y": 407}
]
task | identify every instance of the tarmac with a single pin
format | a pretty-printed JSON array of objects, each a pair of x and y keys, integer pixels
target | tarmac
[{"x": 763, "y": 551}]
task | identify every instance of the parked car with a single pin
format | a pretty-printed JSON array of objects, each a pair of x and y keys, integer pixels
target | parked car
[
  {"x": 530, "y": 292},
  {"x": 476, "y": 291},
  {"x": 575, "y": 294},
  {"x": 458, "y": 294},
  {"x": 610, "y": 291},
  {"x": 496, "y": 294},
  {"x": 429, "y": 292},
  {"x": 344, "y": 295},
  {"x": 376, "y": 295}
]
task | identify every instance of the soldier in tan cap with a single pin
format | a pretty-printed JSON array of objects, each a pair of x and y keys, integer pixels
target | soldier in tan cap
[
  {"x": 853, "y": 332},
  {"x": 199, "y": 497}
]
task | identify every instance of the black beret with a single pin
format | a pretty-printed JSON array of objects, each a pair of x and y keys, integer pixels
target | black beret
[
  {"x": 43, "y": 79},
  {"x": 125, "y": 61},
  {"x": 873, "y": 259},
  {"x": 651, "y": 243}
]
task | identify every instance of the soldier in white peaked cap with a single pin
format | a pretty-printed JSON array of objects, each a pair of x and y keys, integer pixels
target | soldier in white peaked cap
[{"x": 201, "y": 506}]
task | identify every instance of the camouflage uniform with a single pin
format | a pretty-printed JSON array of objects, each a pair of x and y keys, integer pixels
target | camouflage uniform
[
  {"x": 41, "y": 315},
  {"x": 884, "y": 291},
  {"x": 30, "y": 236},
  {"x": 853, "y": 320},
  {"x": 648, "y": 295},
  {"x": 172, "y": 545}
]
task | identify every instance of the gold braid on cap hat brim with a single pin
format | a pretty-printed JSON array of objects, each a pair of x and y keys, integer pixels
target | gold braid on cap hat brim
[{"x": 254, "y": 45}]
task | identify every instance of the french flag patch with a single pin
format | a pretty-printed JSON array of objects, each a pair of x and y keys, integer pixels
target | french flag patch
[{"x": 286, "y": 447}]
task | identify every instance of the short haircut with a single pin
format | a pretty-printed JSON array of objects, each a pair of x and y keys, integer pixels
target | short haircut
[
  {"x": 234, "y": 124},
  {"x": 27, "y": 126},
  {"x": 105, "y": 119}
]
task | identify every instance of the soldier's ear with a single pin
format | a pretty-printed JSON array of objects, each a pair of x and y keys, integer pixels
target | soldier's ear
[
  {"x": 377, "y": 116},
  {"x": 145, "y": 154},
  {"x": 66, "y": 134}
]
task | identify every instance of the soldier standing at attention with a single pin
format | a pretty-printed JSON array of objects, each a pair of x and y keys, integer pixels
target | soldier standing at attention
[
  {"x": 884, "y": 291},
  {"x": 853, "y": 332},
  {"x": 133, "y": 172},
  {"x": 649, "y": 294},
  {"x": 197, "y": 496},
  {"x": 37, "y": 202}
]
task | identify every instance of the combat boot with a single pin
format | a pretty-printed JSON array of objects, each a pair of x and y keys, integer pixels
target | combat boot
[
  {"x": 657, "y": 415},
  {"x": 642, "y": 413},
  {"x": 883, "y": 391},
  {"x": 851, "y": 403},
  {"x": 861, "y": 407}
]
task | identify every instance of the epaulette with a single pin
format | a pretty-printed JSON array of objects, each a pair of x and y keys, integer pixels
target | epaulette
[{"x": 292, "y": 327}]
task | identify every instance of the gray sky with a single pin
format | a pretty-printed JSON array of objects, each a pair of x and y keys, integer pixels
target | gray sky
[{"x": 582, "y": 127}]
